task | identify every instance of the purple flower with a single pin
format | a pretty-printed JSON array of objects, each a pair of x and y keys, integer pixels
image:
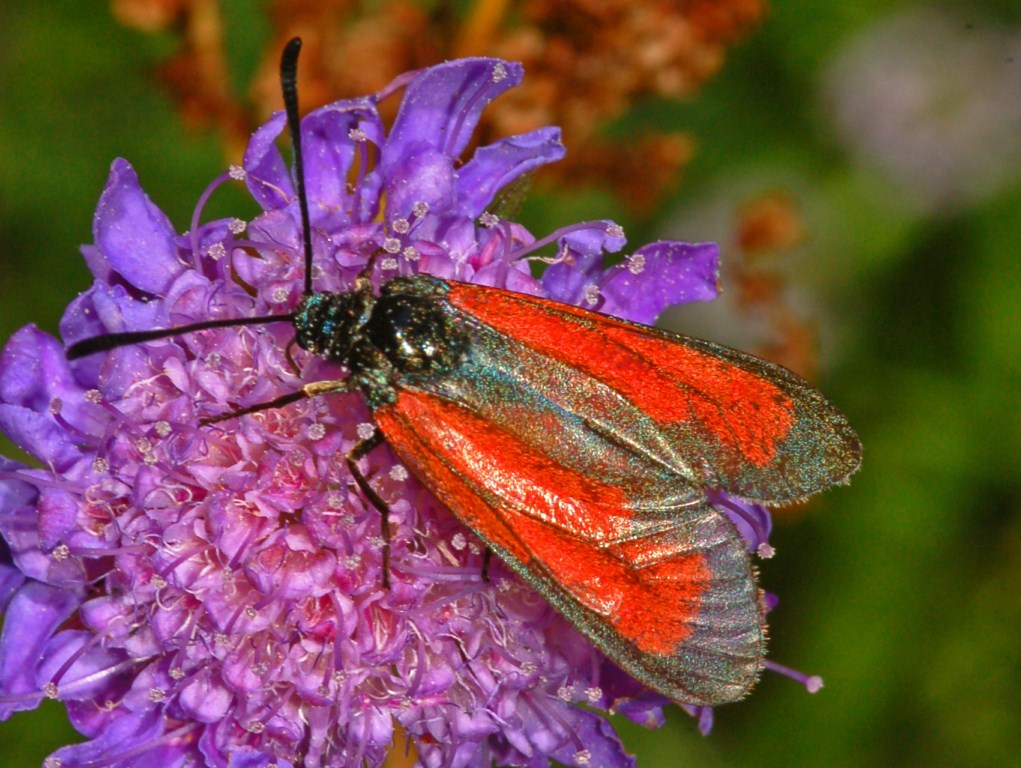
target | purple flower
[{"x": 214, "y": 595}]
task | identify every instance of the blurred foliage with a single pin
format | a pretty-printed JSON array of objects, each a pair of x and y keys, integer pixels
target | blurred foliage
[{"x": 901, "y": 590}]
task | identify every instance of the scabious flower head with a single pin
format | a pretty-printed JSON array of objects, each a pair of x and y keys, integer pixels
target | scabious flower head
[{"x": 213, "y": 595}]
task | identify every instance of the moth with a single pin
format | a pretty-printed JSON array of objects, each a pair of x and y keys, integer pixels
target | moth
[{"x": 582, "y": 450}]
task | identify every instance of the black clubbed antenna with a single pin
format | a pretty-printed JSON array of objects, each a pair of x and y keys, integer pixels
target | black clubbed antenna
[{"x": 289, "y": 85}]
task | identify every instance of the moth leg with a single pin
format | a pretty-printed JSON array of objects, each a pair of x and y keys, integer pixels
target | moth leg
[
  {"x": 326, "y": 386},
  {"x": 288, "y": 354},
  {"x": 353, "y": 456},
  {"x": 487, "y": 557},
  {"x": 314, "y": 389}
]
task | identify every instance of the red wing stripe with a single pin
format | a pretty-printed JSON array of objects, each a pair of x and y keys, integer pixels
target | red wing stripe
[
  {"x": 504, "y": 466},
  {"x": 550, "y": 519},
  {"x": 659, "y": 375}
]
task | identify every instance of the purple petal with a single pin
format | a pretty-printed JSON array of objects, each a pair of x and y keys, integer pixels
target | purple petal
[
  {"x": 246, "y": 757},
  {"x": 135, "y": 237},
  {"x": 39, "y": 435},
  {"x": 514, "y": 277},
  {"x": 753, "y": 521},
  {"x": 599, "y": 740},
  {"x": 646, "y": 711},
  {"x": 193, "y": 296},
  {"x": 18, "y": 527},
  {"x": 34, "y": 377},
  {"x": 33, "y": 370},
  {"x": 34, "y": 614},
  {"x": 35, "y": 374},
  {"x": 705, "y": 720},
  {"x": 102, "y": 309},
  {"x": 660, "y": 275},
  {"x": 130, "y": 740},
  {"x": 628, "y": 697},
  {"x": 205, "y": 699},
  {"x": 441, "y": 107},
  {"x": 330, "y": 151},
  {"x": 85, "y": 679},
  {"x": 581, "y": 253},
  {"x": 495, "y": 166},
  {"x": 281, "y": 228},
  {"x": 14, "y": 494},
  {"x": 459, "y": 246},
  {"x": 11, "y": 578},
  {"x": 58, "y": 516},
  {"x": 267, "y": 175},
  {"x": 426, "y": 176},
  {"x": 88, "y": 719},
  {"x": 80, "y": 321},
  {"x": 97, "y": 263}
]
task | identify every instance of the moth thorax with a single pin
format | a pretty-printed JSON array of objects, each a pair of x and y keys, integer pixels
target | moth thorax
[
  {"x": 327, "y": 324},
  {"x": 415, "y": 333}
]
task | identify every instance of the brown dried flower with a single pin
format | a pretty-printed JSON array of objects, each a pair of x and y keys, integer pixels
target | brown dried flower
[
  {"x": 767, "y": 225},
  {"x": 588, "y": 62}
]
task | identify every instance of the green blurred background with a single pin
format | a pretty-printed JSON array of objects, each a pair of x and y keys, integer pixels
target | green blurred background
[{"x": 904, "y": 590}]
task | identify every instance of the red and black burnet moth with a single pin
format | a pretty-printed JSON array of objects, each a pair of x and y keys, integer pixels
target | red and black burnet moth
[{"x": 580, "y": 449}]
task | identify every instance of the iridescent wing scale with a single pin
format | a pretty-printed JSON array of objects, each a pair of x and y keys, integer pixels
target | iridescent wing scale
[{"x": 580, "y": 448}]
